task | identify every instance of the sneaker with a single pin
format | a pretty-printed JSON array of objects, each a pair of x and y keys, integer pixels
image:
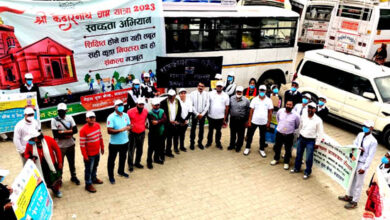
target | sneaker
[
  {"x": 97, "y": 181},
  {"x": 286, "y": 166},
  {"x": 351, "y": 205},
  {"x": 345, "y": 198},
  {"x": 139, "y": 166},
  {"x": 75, "y": 180},
  {"x": 274, "y": 162},
  {"x": 305, "y": 176},
  {"x": 294, "y": 171},
  {"x": 90, "y": 188},
  {"x": 247, "y": 151},
  {"x": 125, "y": 175},
  {"x": 262, "y": 153},
  {"x": 58, "y": 194},
  {"x": 112, "y": 180}
]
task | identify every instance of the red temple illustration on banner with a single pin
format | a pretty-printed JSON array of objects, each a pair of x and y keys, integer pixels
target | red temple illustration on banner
[{"x": 50, "y": 62}]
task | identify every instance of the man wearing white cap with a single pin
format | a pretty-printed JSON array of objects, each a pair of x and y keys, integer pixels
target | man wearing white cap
[
  {"x": 22, "y": 129},
  {"x": 322, "y": 110},
  {"x": 134, "y": 94},
  {"x": 293, "y": 94},
  {"x": 186, "y": 112},
  {"x": 6, "y": 211},
  {"x": 148, "y": 87},
  {"x": 367, "y": 145},
  {"x": 311, "y": 131},
  {"x": 138, "y": 116},
  {"x": 230, "y": 87},
  {"x": 239, "y": 112},
  {"x": 63, "y": 128},
  {"x": 91, "y": 145},
  {"x": 172, "y": 109},
  {"x": 301, "y": 108},
  {"x": 200, "y": 107},
  {"x": 259, "y": 117},
  {"x": 118, "y": 125},
  {"x": 218, "y": 112},
  {"x": 29, "y": 86}
]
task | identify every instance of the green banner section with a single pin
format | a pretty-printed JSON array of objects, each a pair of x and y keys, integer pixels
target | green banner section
[{"x": 48, "y": 113}]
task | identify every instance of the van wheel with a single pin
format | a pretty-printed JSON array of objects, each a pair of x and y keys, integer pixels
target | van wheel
[{"x": 386, "y": 137}]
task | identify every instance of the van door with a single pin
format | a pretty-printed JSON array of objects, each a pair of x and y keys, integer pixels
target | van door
[{"x": 357, "y": 108}]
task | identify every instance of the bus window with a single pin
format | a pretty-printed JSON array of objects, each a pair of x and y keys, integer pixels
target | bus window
[
  {"x": 250, "y": 33},
  {"x": 277, "y": 33},
  {"x": 318, "y": 13},
  {"x": 384, "y": 20},
  {"x": 226, "y": 33}
]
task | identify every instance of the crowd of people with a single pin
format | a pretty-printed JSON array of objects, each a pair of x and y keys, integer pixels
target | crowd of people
[{"x": 299, "y": 120}]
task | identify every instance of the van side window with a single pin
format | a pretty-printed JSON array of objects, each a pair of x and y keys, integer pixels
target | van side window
[
  {"x": 310, "y": 69},
  {"x": 384, "y": 19},
  {"x": 358, "y": 85}
]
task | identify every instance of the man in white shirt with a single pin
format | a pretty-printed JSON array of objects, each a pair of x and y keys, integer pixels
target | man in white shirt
[
  {"x": 200, "y": 107},
  {"x": 367, "y": 144},
  {"x": 310, "y": 134},
  {"x": 260, "y": 115},
  {"x": 218, "y": 111},
  {"x": 24, "y": 128},
  {"x": 301, "y": 108},
  {"x": 186, "y": 112}
]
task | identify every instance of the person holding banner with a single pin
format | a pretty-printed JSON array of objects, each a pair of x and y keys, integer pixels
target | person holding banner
[
  {"x": 23, "y": 128},
  {"x": 6, "y": 211},
  {"x": 46, "y": 154},
  {"x": 157, "y": 119},
  {"x": 367, "y": 145}
]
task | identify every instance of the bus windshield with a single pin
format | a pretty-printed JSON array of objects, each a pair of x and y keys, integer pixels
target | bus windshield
[
  {"x": 383, "y": 84},
  {"x": 319, "y": 12}
]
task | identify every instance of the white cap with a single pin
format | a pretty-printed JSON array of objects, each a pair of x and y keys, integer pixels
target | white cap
[
  {"x": 312, "y": 104},
  {"x": 28, "y": 76},
  {"x": 136, "y": 81},
  {"x": 33, "y": 134},
  {"x": 156, "y": 101},
  {"x": 146, "y": 75},
  {"x": 368, "y": 123},
  {"x": 239, "y": 89},
  {"x": 218, "y": 76},
  {"x": 307, "y": 95},
  {"x": 61, "y": 106},
  {"x": 182, "y": 90},
  {"x": 28, "y": 111},
  {"x": 295, "y": 82},
  {"x": 171, "y": 92},
  {"x": 4, "y": 173},
  {"x": 118, "y": 102},
  {"x": 90, "y": 114},
  {"x": 262, "y": 87},
  {"x": 220, "y": 83},
  {"x": 231, "y": 74},
  {"x": 322, "y": 97},
  {"x": 141, "y": 100}
]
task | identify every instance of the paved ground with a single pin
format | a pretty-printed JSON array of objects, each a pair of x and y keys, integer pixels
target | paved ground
[{"x": 208, "y": 184}]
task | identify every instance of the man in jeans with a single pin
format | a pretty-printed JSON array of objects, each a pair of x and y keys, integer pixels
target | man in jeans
[
  {"x": 63, "y": 128},
  {"x": 260, "y": 114},
  {"x": 118, "y": 125},
  {"x": 288, "y": 121},
  {"x": 91, "y": 145},
  {"x": 310, "y": 133},
  {"x": 138, "y": 116}
]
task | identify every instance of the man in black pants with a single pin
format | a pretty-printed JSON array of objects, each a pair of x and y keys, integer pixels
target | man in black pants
[
  {"x": 186, "y": 112},
  {"x": 200, "y": 106},
  {"x": 157, "y": 119}
]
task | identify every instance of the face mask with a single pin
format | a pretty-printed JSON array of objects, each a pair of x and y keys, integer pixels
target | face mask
[
  {"x": 252, "y": 86},
  {"x": 30, "y": 118},
  {"x": 121, "y": 108},
  {"x": 1, "y": 179},
  {"x": 136, "y": 86},
  {"x": 321, "y": 103},
  {"x": 61, "y": 113},
  {"x": 288, "y": 109},
  {"x": 230, "y": 78},
  {"x": 29, "y": 82},
  {"x": 305, "y": 101},
  {"x": 31, "y": 142},
  {"x": 385, "y": 160},
  {"x": 262, "y": 94},
  {"x": 293, "y": 89},
  {"x": 365, "y": 129},
  {"x": 276, "y": 91},
  {"x": 239, "y": 96},
  {"x": 155, "y": 110}
]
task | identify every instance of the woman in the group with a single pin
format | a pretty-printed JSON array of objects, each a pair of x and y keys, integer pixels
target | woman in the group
[{"x": 251, "y": 91}]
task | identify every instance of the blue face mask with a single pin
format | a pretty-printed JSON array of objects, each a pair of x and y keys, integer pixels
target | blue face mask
[
  {"x": 321, "y": 103},
  {"x": 293, "y": 89},
  {"x": 262, "y": 94},
  {"x": 31, "y": 142},
  {"x": 29, "y": 82},
  {"x": 385, "y": 160},
  {"x": 156, "y": 110},
  {"x": 230, "y": 78},
  {"x": 252, "y": 86},
  {"x": 136, "y": 86},
  {"x": 121, "y": 108},
  {"x": 1, "y": 179},
  {"x": 305, "y": 101},
  {"x": 365, "y": 129},
  {"x": 275, "y": 90}
]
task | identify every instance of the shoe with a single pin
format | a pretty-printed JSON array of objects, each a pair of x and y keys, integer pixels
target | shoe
[
  {"x": 159, "y": 162},
  {"x": 112, "y": 181},
  {"x": 351, "y": 205},
  {"x": 131, "y": 169},
  {"x": 90, "y": 188},
  {"x": 208, "y": 145},
  {"x": 286, "y": 166},
  {"x": 247, "y": 151},
  {"x": 58, "y": 194},
  {"x": 266, "y": 145},
  {"x": 170, "y": 155},
  {"x": 150, "y": 166},
  {"x": 345, "y": 198},
  {"x": 219, "y": 146},
  {"x": 294, "y": 171},
  {"x": 262, "y": 153},
  {"x": 192, "y": 147},
  {"x": 306, "y": 176},
  {"x": 274, "y": 162},
  {"x": 125, "y": 175},
  {"x": 231, "y": 148},
  {"x": 238, "y": 149},
  {"x": 201, "y": 146},
  {"x": 183, "y": 149},
  {"x": 177, "y": 152},
  {"x": 75, "y": 180},
  {"x": 97, "y": 181},
  {"x": 139, "y": 166}
]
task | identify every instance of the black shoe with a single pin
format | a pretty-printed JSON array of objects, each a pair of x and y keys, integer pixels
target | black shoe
[
  {"x": 75, "y": 180},
  {"x": 208, "y": 145},
  {"x": 150, "y": 166},
  {"x": 192, "y": 147},
  {"x": 112, "y": 180},
  {"x": 183, "y": 149},
  {"x": 201, "y": 146},
  {"x": 219, "y": 146},
  {"x": 159, "y": 162},
  {"x": 125, "y": 175},
  {"x": 131, "y": 169},
  {"x": 238, "y": 149},
  {"x": 169, "y": 155},
  {"x": 177, "y": 152},
  {"x": 139, "y": 166},
  {"x": 230, "y": 148}
]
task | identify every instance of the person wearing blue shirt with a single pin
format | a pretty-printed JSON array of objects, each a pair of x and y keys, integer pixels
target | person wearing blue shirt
[{"x": 118, "y": 125}]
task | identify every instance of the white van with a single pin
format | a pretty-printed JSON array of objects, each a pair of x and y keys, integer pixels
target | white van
[{"x": 357, "y": 89}]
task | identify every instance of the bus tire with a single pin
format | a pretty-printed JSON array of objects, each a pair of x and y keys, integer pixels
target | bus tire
[
  {"x": 386, "y": 137},
  {"x": 272, "y": 77}
]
